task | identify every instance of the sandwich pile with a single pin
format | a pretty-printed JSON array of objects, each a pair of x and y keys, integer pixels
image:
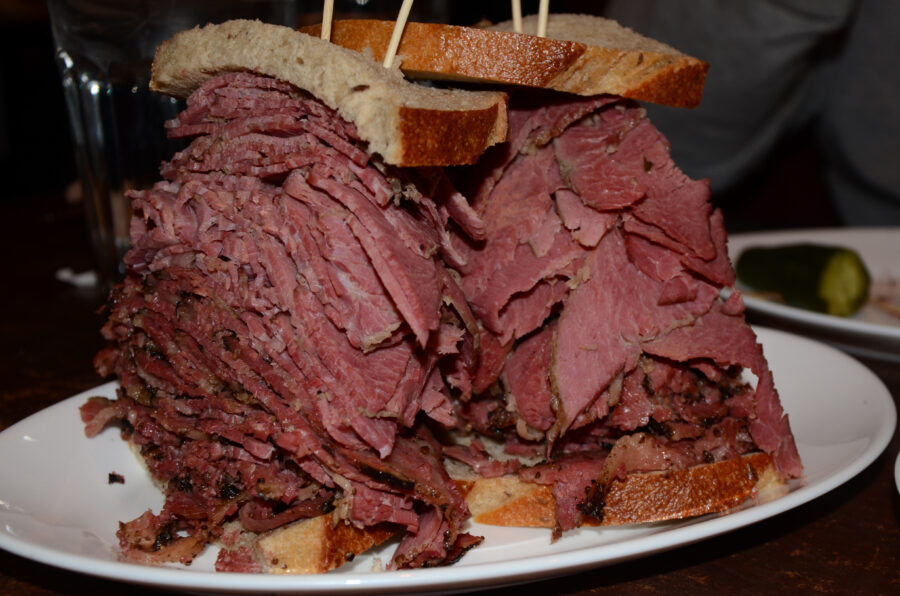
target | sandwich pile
[{"x": 360, "y": 309}]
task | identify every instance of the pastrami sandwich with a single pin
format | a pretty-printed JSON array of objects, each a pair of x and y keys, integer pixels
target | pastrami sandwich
[{"x": 322, "y": 343}]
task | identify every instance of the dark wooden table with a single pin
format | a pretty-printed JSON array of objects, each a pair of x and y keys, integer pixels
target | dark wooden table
[{"x": 847, "y": 541}]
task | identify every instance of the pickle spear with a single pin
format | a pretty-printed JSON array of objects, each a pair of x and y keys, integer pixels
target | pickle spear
[{"x": 827, "y": 279}]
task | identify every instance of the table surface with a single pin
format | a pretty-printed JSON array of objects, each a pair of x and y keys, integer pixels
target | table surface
[{"x": 847, "y": 541}]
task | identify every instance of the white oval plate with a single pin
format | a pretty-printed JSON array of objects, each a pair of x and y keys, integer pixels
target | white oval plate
[
  {"x": 869, "y": 333},
  {"x": 57, "y": 507}
]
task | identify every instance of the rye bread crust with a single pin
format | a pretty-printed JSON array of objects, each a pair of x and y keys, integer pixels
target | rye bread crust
[
  {"x": 582, "y": 54},
  {"x": 405, "y": 123}
]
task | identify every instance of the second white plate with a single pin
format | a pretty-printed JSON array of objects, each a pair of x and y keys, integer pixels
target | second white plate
[{"x": 871, "y": 332}]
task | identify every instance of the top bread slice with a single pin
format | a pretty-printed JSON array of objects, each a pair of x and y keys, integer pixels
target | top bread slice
[
  {"x": 581, "y": 54},
  {"x": 407, "y": 124}
]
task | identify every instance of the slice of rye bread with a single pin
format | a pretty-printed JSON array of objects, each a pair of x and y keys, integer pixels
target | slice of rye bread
[
  {"x": 582, "y": 54},
  {"x": 316, "y": 545},
  {"x": 321, "y": 544},
  {"x": 637, "y": 498},
  {"x": 407, "y": 124}
]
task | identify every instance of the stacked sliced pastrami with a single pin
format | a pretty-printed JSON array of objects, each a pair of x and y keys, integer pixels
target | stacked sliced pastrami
[
  {"x": 611, "y": 342},
  {"x": 296, "y": 322},
  {"x": 286, "y": 326}
]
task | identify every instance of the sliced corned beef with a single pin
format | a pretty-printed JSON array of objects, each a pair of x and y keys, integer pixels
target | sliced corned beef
[
  {"x": 283, "y": 329},
  {"x": 636, "y": 319},
  {"x": 605, "y": 322},
  {"x": 727, "y": 340},
  {"x": 526, "y": 378}
]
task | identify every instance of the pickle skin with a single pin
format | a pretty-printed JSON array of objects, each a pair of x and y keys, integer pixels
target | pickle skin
[{"x": 826, "y": 279}]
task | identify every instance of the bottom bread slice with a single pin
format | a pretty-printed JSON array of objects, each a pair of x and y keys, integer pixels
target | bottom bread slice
[
  {"x": 638, "y": 498},
  {"x": 322, "y": 543},
  {"x": 317, "y": 545}
]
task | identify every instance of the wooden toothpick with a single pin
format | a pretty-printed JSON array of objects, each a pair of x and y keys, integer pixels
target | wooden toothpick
[
  {"x": 327, "y": 16},
  {"x": 517, "y": 15},
  {"x": 397, "y": 34},
  {"x": 543, "y": 11}
]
